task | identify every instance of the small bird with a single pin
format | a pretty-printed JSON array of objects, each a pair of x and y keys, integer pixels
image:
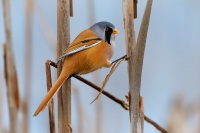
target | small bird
[{"x": 90, "y": 50}]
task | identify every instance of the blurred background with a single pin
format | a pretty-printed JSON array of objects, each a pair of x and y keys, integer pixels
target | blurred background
[{"x": 171, "y": 70}]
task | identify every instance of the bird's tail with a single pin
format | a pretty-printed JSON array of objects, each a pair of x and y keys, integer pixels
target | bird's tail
[{"x": 61, "y": 79}]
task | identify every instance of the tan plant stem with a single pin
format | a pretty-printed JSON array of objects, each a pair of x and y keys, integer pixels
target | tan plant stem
[
  {"x": 51, "y": 104},
  {"x": 63, "y": 41},
  {"x": 10, "y": 71}
]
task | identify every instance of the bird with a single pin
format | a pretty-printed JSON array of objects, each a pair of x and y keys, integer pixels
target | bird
[{"x": 92, "y": 49}]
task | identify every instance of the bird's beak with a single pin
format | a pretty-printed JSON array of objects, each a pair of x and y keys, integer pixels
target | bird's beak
[{"x": 115, "y": 31}]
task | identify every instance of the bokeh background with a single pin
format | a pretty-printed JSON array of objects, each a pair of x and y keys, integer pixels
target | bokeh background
[{"x": 171, "y": 70}]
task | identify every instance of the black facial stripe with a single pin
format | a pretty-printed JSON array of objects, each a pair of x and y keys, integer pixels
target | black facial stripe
[{"x": 108, "y": 33}]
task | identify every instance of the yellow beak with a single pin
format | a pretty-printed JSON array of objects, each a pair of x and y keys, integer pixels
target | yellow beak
[{"x": 115, "y": 31}]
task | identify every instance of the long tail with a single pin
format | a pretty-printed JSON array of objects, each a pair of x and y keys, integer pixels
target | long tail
[{"x": 61, "y": 79}]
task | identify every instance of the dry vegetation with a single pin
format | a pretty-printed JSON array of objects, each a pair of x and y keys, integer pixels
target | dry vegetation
[
  {"x": 135, "y": 52},
  {"x": 183, "y": 117}
]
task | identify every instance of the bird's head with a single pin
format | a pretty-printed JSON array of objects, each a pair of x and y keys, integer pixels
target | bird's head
[{"x": 105, "y": 30}]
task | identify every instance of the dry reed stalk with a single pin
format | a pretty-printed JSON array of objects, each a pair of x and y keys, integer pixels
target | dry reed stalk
[
  {"x": 51, "y": 103},
  {"x": 10, "y": 71},
  {"x": 139, "y": 55},
  {"x": 128, "y": 13},
  {"x": 63, "y": 41},
  {"x": 141, "y": 107},
  {"x": 28, "y": 65},
  {"x": 115, "y": 99},
  {"x": 136, "y": 61}
]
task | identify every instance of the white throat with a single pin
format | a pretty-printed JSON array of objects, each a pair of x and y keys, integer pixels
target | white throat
[{"x": 112, "y": 40}]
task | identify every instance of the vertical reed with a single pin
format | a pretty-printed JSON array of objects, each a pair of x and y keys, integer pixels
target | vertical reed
[
  {"x": 51, "y": 104},
  {"x": 136, "y": 53},
  {"x": 128, "y": 13},
  {"x": 139, "y": 56},
  {"x": 10, "y": 71},
  {"x": 63, "y": 40}
]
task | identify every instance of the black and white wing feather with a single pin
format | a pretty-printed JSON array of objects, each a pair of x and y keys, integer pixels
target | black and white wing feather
[{"x": 78, "y": 49}]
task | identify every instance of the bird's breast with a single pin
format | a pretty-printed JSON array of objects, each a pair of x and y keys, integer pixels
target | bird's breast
[{"x": 91, "y": 59}]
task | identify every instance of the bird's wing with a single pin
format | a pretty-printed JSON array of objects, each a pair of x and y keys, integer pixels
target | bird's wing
[{"x": 80, "y": 46}]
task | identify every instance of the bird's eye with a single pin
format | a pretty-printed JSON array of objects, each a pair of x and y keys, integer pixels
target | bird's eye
[{"x": 106, "y": 29}]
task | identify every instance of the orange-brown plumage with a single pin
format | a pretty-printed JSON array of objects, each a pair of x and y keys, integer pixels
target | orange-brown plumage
[{"x": 84, "y": 61}]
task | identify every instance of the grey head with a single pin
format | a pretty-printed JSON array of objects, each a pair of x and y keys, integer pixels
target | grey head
[{"x": 105, "y": 30}]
